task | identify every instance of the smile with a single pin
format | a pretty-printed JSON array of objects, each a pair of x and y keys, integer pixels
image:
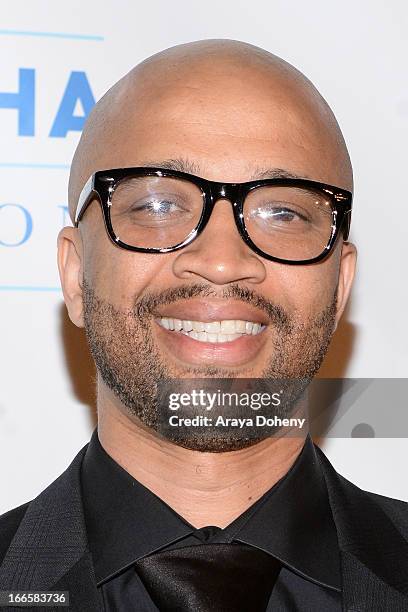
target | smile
[{"x": 226, "y": 330}]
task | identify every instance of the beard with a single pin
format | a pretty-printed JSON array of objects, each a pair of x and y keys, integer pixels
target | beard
[{"x": 130, "y": 364}]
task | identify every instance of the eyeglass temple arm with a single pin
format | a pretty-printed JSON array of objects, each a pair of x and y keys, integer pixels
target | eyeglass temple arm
[
  {"x": 346, "y": 224},
  {"x": 83, "y": 199}
]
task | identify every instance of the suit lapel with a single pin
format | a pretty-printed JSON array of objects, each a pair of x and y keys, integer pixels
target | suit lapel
[
  {"x": 80, "y": 582},
  {"x": 364, "y": 591},
  {"x": 49, "y": 550},
  {"x": 374, "y": 554}
]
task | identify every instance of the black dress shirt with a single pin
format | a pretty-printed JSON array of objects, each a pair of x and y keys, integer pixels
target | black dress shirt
[{"x": 292, "y": 521}]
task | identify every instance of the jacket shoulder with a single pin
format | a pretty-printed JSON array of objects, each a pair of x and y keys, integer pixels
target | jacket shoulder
[
  {"x": 9, "y": 522},
  {"x": 357, "y": 507},
  {"x": 396, "y": 509}
]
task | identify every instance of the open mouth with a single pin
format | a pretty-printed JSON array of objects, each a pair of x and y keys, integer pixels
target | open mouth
[{"x": 226, "y": 330}]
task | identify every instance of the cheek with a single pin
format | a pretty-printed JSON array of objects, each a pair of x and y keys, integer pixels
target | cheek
[
  {"x": 120, "y": 276},
  {"x": 304, "y": 290}
]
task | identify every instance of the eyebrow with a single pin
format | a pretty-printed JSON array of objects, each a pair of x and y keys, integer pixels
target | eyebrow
[{"x": 185, "y": 165}]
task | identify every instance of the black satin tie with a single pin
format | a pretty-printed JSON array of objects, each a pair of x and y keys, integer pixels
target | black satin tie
[{"x": 210, "y": 578}]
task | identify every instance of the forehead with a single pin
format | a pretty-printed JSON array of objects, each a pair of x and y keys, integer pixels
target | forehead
[
  {"x": 230, "y": 132},
  {"x": 244, "y": 103}
]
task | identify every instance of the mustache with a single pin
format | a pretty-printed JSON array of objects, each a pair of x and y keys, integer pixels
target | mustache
[{"x": 278, "y": 317}]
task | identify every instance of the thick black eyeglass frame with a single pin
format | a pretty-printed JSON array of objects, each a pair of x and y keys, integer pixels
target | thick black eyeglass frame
[{"x": 102, "y": 184}]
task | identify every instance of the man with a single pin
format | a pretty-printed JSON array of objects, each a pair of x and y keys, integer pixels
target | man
[{"x": 145, "y": 518}]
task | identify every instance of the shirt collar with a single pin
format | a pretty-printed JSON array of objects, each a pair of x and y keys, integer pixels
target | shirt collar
[
  {"x": 292, "y": 521},
  {"x": 124, "y": 520}
]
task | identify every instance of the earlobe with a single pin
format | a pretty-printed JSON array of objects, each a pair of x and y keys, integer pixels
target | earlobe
[
  {"x": 348, "y": 260},
  {"x": 70, "y": 256}
]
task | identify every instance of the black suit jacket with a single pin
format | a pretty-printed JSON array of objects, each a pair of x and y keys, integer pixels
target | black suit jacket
[{"x": 43, "y": 544}]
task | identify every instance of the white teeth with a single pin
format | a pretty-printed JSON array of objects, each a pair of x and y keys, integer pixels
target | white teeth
[
  {"x": 227, "y": 330},
  {"x": 213, "y": 328},
  {"x": 228, "y": 327},
  {"x": 240, "y": 327},
  {"x": 232, "y": 337},
  {"x": 198, "y": 326}
]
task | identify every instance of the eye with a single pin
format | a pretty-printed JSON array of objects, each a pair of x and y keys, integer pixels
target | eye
[
  {"x": 153, "y": 210},
  {"x": 276, "y": 212},
  {"x": 156, "y": 207}
]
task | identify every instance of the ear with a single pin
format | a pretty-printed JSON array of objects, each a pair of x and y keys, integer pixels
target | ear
[
  {"x": 70, "y": 266},
  {"x": 348, "y": 260}
]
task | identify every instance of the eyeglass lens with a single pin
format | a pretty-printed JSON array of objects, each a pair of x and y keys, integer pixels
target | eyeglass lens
[{"x": 287, "y": 222}]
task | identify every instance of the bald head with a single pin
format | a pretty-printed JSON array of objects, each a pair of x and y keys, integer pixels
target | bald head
[{"x": 224, "y": 105}]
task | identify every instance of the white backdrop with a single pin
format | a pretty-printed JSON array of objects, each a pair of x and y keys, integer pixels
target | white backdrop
[{"x": 56, "y": 58}]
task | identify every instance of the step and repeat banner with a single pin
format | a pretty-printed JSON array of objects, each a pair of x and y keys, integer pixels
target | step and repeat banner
[{"x": 56, "y": 61}]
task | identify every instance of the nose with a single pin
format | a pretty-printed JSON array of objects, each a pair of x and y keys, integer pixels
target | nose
[{"x": 219, "y": 255}]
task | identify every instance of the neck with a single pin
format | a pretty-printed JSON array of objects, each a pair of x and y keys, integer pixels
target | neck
[{"x": 204, "y": 488}]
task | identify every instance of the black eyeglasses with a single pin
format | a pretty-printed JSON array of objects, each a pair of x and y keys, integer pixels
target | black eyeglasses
[{"x": 155, "y": 210}]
